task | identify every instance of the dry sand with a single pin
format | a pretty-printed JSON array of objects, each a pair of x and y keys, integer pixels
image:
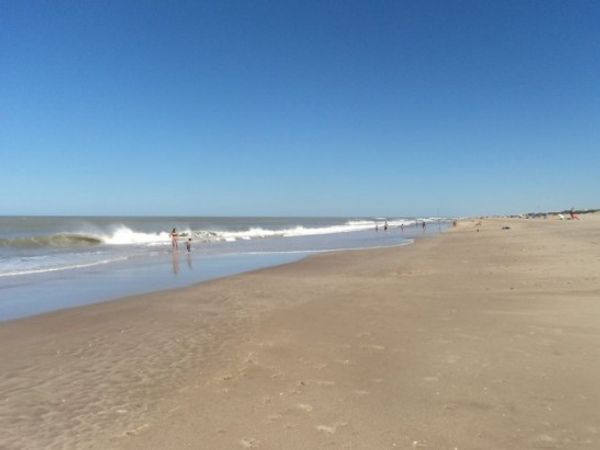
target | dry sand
[{"x": 470, "y": 340}]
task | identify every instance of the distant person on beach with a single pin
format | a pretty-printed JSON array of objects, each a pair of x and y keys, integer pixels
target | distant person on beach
[
  {"x": 385, "y": 226},
  {"x": 401, "y": 227},
  {"x": 423, "y": 225},
  {"x": 573, "y": 215},
  {"x": 188, "y": 245},
  {"x": 174, "y": 242},
  {"x": 376, "y": 227}
]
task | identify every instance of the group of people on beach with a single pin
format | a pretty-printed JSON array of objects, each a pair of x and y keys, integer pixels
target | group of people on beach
[
  {"x": 385, "y": 226},
  {"x": 175, "y": 242}
]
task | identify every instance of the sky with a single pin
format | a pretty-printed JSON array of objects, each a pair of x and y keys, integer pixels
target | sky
[{"x": 299, "y": 108}]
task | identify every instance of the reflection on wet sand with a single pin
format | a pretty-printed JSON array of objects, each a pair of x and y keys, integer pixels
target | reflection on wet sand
[{"x": 175, "y": 263}]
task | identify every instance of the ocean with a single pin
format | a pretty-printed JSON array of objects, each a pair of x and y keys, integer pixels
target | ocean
[{"x": 51, "y": 263}]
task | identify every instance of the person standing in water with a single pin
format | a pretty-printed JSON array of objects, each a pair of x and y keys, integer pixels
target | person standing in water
[
  {"x": 188, "y": 245},
  {"x": 385, "y": 226},
  {"x": 423, "y": 225},
  {"x": 174, "y": 242}
]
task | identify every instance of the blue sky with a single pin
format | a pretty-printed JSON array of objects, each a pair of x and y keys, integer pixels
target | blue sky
[{"x": 299, "y": 108}]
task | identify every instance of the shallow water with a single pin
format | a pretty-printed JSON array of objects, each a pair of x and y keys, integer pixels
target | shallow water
[{"x": 40, "y": 278}]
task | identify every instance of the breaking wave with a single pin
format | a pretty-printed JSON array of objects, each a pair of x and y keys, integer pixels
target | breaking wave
[
  {"x": 55, "y": 240},
  {"x": 123, "y": 235}
]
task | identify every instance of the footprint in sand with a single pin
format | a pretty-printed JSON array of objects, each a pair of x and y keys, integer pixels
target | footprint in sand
[
  {"x": 249, "y": 442},
  {"x": 373, "y": 347},
  {"x": 326, "y": 429},
  {"x": 325, "y": 383},
  {"x": 364, "y": 334},
  {"x": 545, "y": 440},
  {"x": 251, "y": 358},
  {"x": 431, "y": 379},
  {"x": 137, "y": 430},
  {"x": 361, "y": 392},
  {"x": 273, "y": 418},
  {"x": 345, "y": 362},
  {"x": 343, "y": 347},
  {"x": 331, "y": 429}
]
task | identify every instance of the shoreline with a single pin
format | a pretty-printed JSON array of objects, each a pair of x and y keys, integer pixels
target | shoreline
[
  {"x": 144, "y": 296},
  {"x": 468, "y": 340},
  {"x": 31, "y": 295}
]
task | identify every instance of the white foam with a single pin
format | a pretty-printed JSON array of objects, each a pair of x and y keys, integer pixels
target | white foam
[
  {"x": 125, "y": 236},
  {"x": 350, "y": 226},
  {"x": 60, "y": 268}
]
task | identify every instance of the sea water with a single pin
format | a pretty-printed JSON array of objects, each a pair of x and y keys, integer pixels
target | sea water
[{"x": 50, "y": 263}]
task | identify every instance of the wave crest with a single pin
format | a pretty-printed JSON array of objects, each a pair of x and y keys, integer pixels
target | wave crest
[
  {"x": 55, "y": 240},
  {"x": 123, "y": 235}
]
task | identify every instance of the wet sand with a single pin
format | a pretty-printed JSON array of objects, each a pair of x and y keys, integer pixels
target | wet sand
[{"x": 469, "y": 340}]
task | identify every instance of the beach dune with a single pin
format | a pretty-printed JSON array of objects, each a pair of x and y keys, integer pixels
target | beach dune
[{"x": 472, "y": 339}]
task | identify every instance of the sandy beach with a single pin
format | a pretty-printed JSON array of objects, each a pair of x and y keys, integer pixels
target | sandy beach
[{"x": 471, "y": 339}]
